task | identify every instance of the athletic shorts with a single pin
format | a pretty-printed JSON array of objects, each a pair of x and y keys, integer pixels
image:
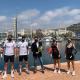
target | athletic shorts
[
  {"x": 55, "y": 56},
  {"x": 70, "y": 57},
  {"x": 7, "y": 58},
  {"x": 23, "y": 57}
]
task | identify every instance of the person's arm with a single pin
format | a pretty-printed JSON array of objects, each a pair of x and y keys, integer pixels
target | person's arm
[
  {"x": 18, "y": 48},
  {"x": 4, "y": 47},
  {"x": 58, "y": 49},
  {"x": 32, "y": 46},
  {"x": 65, "y": 50},
  {"x": 75, "y": 51},
  {"x": 27, "y": 48},
  {"x": 15, "y": 49},
  {"x": 73, "y": 46}
]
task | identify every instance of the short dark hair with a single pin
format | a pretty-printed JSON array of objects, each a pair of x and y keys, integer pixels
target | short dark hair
[
  {"x": 54, "y": 40},
  {"x": 10, "y": 36},
  {"x": 23, "y": 37}
]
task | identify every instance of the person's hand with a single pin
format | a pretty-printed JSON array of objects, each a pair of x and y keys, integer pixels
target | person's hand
[
  {"x": 1, "y": 55},
  {"x": 37, "y": 52},
  {"x": 1, "y": 50},
  {"x": 65, "y": 56},
  {"x": 59, "y": 56}
]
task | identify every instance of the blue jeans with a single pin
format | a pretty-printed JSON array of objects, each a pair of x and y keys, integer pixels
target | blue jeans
[{"x": 40, "y": 60}]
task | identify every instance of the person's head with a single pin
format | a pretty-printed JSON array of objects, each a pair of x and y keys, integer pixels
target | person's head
[
  {"x": 23, "y": 38},
  {"x": 69, "y": 40},
  {"x": 36, "y": 40},
  {"x": 9, "y": 38},
  {"x": 54, "y": 40},
  {"x": 40, "y": 44}
]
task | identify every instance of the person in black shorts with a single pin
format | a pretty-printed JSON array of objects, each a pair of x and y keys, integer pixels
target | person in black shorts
[
  {"x": 9, "y": 52},
  {"x": 23, "y": 54},
  {"x": 69, "y": 55},
  {"x": 55, "y": 55}
]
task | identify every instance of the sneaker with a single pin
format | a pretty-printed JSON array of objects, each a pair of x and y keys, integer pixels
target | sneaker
[
  {"x": 55, "y": 71},
  {"x": 42, "y": 71},
  {"x": 59, "y": 71},
  {"x": 12, "y": 74},
  {"x": 20, "y": 71},
  {"x": 4, "y": 75},
  {"x": 27, "y": 71},
  {"x": 73, "y": 73},
  {"x": 35, "y": 71},
  {"x": 68, "y": 72}
]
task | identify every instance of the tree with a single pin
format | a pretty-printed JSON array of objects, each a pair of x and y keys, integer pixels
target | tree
[{"x": 39, "y": 33}]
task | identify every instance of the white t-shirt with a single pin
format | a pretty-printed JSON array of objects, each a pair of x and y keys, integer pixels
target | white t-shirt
[
  {"x": 23, "y": 48},
  {"x": 37, "y": 44},
  {"x": 9, "y": 47}
]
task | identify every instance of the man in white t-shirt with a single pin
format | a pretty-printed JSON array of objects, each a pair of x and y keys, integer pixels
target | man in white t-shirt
[
  {"x": 9, "y": 52},
  {"x": 23, "y": 54}
]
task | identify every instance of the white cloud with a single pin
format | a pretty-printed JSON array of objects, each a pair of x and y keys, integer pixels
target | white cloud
[
  {"x": 28, "y": 14},
  {"x": 74, "y": 12},
  {"x": 3, "y": 18},
  {"x": 63, "y": 15},
  {"x": 77, "y": 17},
  {"x": 35, "y": 18},
  {"x": 49, "y": 15}
]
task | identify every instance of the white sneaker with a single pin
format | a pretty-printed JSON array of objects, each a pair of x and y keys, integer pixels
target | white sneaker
[
  {"x": 27, "y": 71},
  {"x": 20, "y": 71},
  {"x": 73, "y": 73},
  {"x": 59, "y": 71},
  {"x": 55, "y": 71},
  {"x": 4, "y": 75},
  {"x": 68, "y": 72},
  {"x": 12, "y": 74}
]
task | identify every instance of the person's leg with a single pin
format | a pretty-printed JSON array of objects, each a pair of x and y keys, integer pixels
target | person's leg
[
  {"x": 59, "y": 65},
  {"x": 54, "y": 63},
  {"x": 73, "y": 73},
  {"x": 5, "y": 62},
  {"x": 27, "y": 64},
  {"x": 41, "y": 63},
  {"x": 5, "y": 66},
  {"x": 20, "y": 68},
  {"x": 12, "y": 69},
  {"x": 12, "y": 65},
  {"x": 68, "y": 65},
  {"x": 73, "y": 65},
  {"x": 5, "y": 70},
  {"x": 55, "y": 66},
  {"x": 35, "y": 63},
  {"x": 20, "y": 64}
]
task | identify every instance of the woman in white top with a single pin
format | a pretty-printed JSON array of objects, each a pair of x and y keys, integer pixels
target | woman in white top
[
  {"x": 23, "y": 54},
  {"x": 9, "y": 52}
]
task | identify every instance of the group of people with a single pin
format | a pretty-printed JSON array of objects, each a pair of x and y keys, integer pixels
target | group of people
[
  {"x": 21, "y": 49},
  {"x": 70, "y": 52}
]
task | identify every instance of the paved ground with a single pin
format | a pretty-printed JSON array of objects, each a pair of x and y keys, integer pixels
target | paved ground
[{"x": 49, "y": 74}]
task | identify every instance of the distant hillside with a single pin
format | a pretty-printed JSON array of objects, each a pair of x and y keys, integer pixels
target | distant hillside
[{"x": 74, "y": 27}]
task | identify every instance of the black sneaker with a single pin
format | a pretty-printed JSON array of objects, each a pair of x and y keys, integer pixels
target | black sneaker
[{"x": 42, "y": 71}]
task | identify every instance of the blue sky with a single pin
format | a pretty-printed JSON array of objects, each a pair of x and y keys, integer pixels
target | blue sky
[
  {"x": 39, "y": 13},
  {"x": 11, "y": 7}
]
